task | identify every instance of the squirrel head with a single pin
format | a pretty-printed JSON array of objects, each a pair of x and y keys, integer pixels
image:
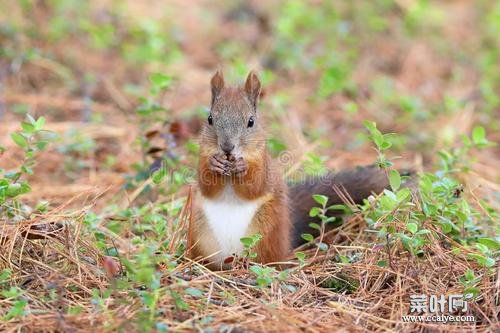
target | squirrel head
[{"x": 232, "y": 126}]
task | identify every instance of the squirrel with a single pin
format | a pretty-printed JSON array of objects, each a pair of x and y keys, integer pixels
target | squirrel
[{"x": 241, "y": 191}]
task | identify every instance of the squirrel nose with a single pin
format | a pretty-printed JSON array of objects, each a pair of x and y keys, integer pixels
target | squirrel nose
[{"x": 227, "y": 147}]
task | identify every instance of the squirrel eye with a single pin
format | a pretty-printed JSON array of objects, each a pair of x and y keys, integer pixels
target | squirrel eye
[
  {"x": 250, "y": 122},
  {"x": 210, "y": 121}
]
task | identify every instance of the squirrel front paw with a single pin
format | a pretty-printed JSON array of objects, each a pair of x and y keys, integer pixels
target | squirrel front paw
[
  {"x": 240, "y": 167},
  {"x": 220, "y": 164}
]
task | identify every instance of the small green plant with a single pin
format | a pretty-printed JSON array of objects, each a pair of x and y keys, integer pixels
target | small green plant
[
  {"x": 301, "y": 257},
  {"x": 381, "y": 141},
  {"x": 32, "y": 139},
  {"x": 398, "y": 218},
  {"x": 142, "y": 280},
  {"x": 18, "y": 308},
  {"x": 395, "y": 199},
  {"x": 12, "y": 295},
  {"x": 321, "y": 212},
  {"x": 470, "y": 281},
  {"x": 267, "y": 275},
  {"x": 249, "y": 244}
]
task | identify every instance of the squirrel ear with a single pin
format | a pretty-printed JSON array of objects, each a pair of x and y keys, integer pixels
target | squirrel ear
[
  {"x": 216, "y": 84},
  {"x": 252, "y": 88}
]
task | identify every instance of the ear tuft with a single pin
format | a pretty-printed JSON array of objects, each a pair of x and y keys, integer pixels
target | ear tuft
[
  {"x": 216, "y": 84},
  {"x": 252, "y": 88}
]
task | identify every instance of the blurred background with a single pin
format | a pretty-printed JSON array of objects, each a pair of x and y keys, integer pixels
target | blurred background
[{"x": 123, "y": 83}]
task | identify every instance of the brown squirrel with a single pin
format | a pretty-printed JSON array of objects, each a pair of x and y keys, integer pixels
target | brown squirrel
[{"x": 242, "y": 192}]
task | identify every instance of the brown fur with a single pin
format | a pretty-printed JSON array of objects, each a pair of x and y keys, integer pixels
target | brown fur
[
  {"x": 253, "y": 184},
  {"x": 271, "y": 221}
]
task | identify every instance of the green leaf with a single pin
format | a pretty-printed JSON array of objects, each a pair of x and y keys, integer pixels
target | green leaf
[
  {"x": 344, "y": 259},
  {"x": 376, "y": 135},
  {"x": 13, "y": 190},
  {"x": 315, "y": 211},
  {"x": 412, "y": 227},
  {"x": 479, "y": 136},
  {"x": 489, "y": 262},
  {"x": 482, "y": 260},
  {"x": 370, "y": 125},
  {"x": 469, "y": 274},
  {"x": 403, "y": 194},
  {"x": 343, "y": 208},
  {"x": 489, "y": 242},
  {"x": 26, "y": 169},
  {"x": 5, "y": 275},
  {"x": 263, "y": 282},
  {"x": 40, "y": 123},
  {"x": 19, "y": 140},
  {"x": 315, "y": 226},
  {"x": 27, "y": 128},
  {"x": 482, "y": 248},
  {"x": 247, "y": 241},
  {"x": 330, "y": 219},
  {"x": 394, "y": 179},
  {"x": 423, "y": 232},
  {"x": 256, "y": 269},
  {"x": 307, "y": 237},
  {"x": 17, "y": 310},
  {"x": 471, "y": 291},
  {"x": 301, "y": 256},
  {"x": 407, "y": 241},
  {"x": 11, "y": 293},
  {"x": 378, "y": 138},
  {"x": 321, "y": 199},
  {"x": 385, "y": 145},
  {"x": 446, "y": 225}
]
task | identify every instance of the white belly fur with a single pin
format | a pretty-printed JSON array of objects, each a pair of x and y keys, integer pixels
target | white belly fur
[{"x": 229, "y": 218}]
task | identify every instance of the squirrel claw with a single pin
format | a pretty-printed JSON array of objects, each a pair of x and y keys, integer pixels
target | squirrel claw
[
  {"x": 240, "y": 167},
  {"x": 219, "y": 164}
]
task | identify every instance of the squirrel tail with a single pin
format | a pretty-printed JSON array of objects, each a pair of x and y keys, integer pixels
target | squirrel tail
[{"x": 358, "y": 183}]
